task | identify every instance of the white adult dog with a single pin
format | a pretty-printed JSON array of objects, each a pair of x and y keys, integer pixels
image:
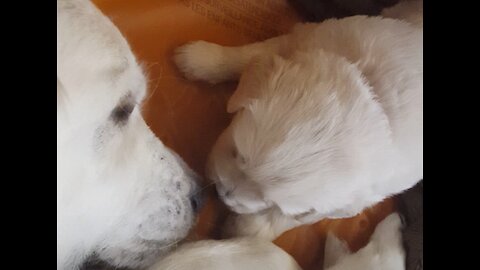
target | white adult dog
[
  {"x": 121, "y": 194},
  {"x": 329, "y": 118}
]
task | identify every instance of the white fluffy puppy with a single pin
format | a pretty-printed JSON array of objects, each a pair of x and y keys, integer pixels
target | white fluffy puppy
[
  {"x": 121, "y": 194},
  {"x": 329, "y": 119},
  {"x": 384, "y": 251}
]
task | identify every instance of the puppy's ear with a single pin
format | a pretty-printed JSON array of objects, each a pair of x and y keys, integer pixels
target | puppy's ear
[
  {"x": 335, "y": 249},
  {"x": 257, "y": 77}
]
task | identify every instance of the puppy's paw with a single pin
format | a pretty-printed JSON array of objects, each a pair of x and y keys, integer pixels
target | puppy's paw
[{"x": 202, "y": 60}]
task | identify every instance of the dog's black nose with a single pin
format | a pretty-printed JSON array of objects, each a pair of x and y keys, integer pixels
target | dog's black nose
[
  {"x": 197, "y": 200},
  {"x": 196, "y": 193}
]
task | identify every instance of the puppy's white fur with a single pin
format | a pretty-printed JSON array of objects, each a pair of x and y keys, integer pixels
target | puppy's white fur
[
  {"x": 121, "y": 194},
  {"x": 329, "y": 119}
]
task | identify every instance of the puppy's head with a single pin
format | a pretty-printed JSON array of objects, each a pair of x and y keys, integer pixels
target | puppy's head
[
  {"x": 121, "y": 193},
  {"x": 303, "y": 130}
]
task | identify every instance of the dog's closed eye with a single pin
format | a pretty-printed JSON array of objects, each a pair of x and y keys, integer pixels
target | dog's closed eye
[
  {"x": 234, "y": 152},
  {"x": 122, "y": 112},
  {"x": 238, "y": 156}
]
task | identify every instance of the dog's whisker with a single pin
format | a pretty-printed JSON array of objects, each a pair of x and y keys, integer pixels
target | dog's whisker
[
  {"x": 147, "y": 71},
  {"x": 171, "y": 244},
  {"x": 205, "y": 187},
  {"x": 152, "y": 92}
]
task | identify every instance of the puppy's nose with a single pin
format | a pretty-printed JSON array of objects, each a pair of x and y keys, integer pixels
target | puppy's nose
[{"x": 222, "y": 191}]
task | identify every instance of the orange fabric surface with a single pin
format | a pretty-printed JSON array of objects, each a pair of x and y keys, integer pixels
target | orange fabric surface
[{"x": 188, "y": 116}]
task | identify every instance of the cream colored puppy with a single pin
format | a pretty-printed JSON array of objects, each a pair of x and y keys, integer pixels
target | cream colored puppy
[{"x": 329, "y": 119}]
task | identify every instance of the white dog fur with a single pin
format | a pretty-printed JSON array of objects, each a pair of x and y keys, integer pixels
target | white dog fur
[
  {"x": 121, "y": 194},
  {"x": 329, "y": 119}
]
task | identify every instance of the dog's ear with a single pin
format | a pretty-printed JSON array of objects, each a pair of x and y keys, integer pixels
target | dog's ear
[
  {"x": 335, "y": 249},
  {"x": 255, "y": 78}
]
